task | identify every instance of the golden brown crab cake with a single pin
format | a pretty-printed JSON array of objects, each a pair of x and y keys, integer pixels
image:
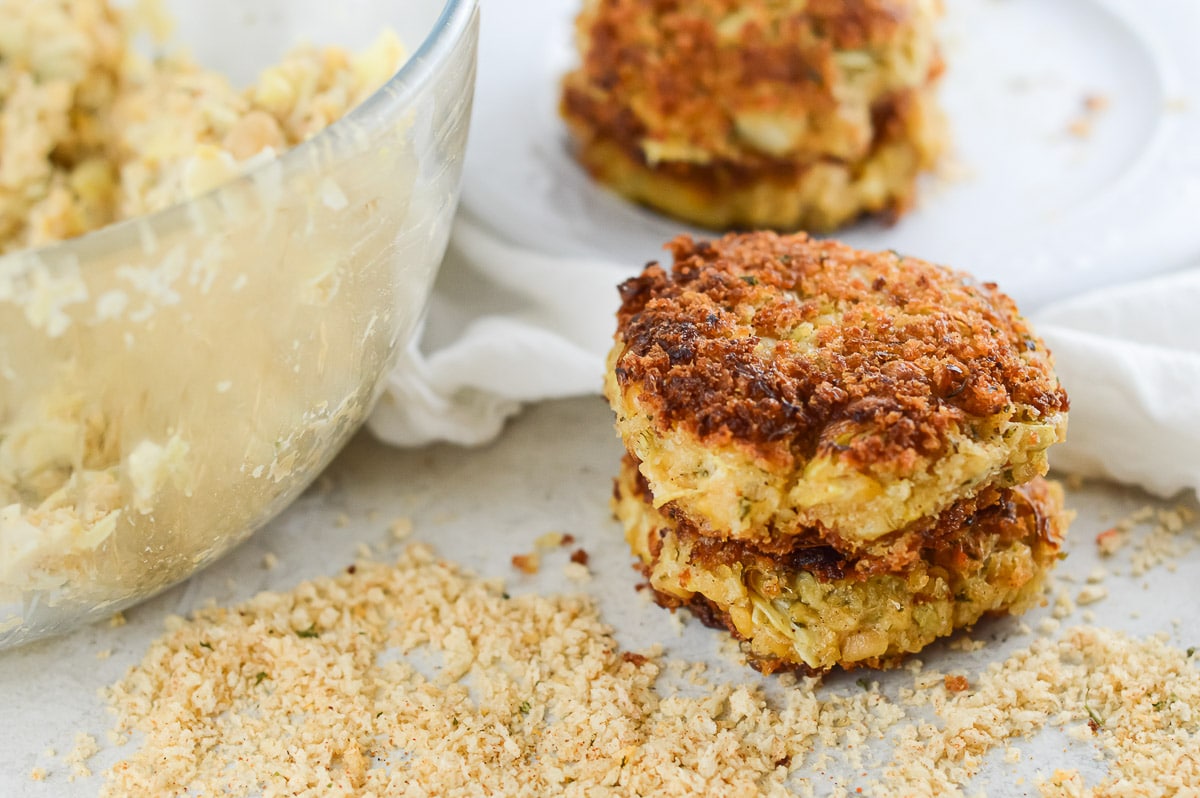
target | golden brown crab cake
[
  {"x": 726, "y": 113},
  {"x": 809, "y": 609},
  {"x": 775, "y": 386}
]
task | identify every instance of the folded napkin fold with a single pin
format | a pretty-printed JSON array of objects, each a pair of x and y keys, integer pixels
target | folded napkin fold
[{"x": 509, "y": 326}]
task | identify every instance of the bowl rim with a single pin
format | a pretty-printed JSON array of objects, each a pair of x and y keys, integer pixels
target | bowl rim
[{"x": 342, "y": 136}]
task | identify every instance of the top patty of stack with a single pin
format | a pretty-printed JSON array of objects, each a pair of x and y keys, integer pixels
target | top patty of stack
[{"x": 778, "y": 386}]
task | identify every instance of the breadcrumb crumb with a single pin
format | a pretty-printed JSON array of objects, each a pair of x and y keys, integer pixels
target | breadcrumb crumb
[
  {"x": 550, "y": 540},
  {"x": 956, "y": 683},
  {"x": 529, "y": 563},
  {"x": 420, "y": 673},
  {"x": 1063, "y": 604},
  {"x": 401, "y": 529},
  {"x": 577, "y": 572},
  {"x": 1049, "y": 626},
  {"x": 85, "y": 748}
]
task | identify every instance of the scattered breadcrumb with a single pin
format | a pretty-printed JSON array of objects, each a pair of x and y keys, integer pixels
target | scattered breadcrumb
[
  {"x": 1063, "y": 784},
  {"x": 1141, "y": 698},
  {"x": 1080, "y": 127},
  {"x": 1156, "y": 536},
  {"x": 550, "y": 540},
  {"x": 527, "y": 563},
  {"x": 1090, "y": 594},
  {"x": 418, "y": 673},
  {"x": 77, "y": 758},
  {"x": 1092, "y": 106},
  {"x": 1049, "y": 626},
  {"x": 1097, "y": 575},
  {"x": 1110, "y": 541},
  {"x": 579, "y": 556},
  {"x": 577, "y": 572},
  {"x": 270, "y": 561},
  {"x": 965, "y": 644},
  {"x": 342, "y": 521},
  {"x": 1063, "y": 604},
  {"x": 956, "y": 683},
  {"x": 401, "y": 528},
  {"x": 529, "y": 695},
  {"x": 38, "y": 774},
  {"x": 117, "y": 619},
  {"x": 104, "y": 653}
]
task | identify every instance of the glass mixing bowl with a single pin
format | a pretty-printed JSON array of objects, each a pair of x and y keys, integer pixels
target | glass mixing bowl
[{"x": 170, "y": 383}]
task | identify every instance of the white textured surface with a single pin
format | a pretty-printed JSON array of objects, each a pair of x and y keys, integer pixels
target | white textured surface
[{"x": 550, "y": 471}]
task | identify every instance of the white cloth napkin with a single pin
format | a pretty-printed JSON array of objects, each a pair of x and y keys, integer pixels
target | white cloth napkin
[
  {"x": 509, "y": 326},
  {"x": 506, "y": 326}
]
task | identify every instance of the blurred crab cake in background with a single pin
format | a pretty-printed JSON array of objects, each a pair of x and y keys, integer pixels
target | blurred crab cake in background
[
  {"x": 836, "y": 454},
  {"x": 788, "y": 115}
]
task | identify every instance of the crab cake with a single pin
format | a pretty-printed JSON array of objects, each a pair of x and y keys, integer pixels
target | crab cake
[
  {"x": 807, "y": 609},
  {"x": 787, "y": 115},
  {"x": 778, "y": 386}
]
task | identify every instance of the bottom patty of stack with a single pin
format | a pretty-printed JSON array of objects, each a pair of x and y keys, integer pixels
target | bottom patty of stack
[{"x": 810, "y": 609}]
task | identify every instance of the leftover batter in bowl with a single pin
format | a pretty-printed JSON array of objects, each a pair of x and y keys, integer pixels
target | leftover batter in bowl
[{"x": 202, "y": 287}]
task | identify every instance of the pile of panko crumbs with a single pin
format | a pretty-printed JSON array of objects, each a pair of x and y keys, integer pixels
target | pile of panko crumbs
[{"x": 418, "y": 678}]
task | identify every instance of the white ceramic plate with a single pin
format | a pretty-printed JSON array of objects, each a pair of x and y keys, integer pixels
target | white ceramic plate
[{"x": 1040, "y": 210}]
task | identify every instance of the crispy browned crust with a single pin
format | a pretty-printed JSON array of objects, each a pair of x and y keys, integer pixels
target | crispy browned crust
[
  {"x": 667, "y": 63},
  {"x": 918, "y": 350},
  {"x": 684, "y": 74},
  {"x": 950, "y": 539}
]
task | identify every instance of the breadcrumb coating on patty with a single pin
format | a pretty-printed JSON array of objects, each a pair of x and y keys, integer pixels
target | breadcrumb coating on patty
[
  {"x": 771, "y": 384},
  {"x": 758, "y": 114},
  {"x": 811, "y": 608}
]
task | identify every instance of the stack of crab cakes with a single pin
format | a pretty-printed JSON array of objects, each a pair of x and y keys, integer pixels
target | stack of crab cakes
[
  {"x": 736, "y": 114},
  {"x": 836, "y": 455}
]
